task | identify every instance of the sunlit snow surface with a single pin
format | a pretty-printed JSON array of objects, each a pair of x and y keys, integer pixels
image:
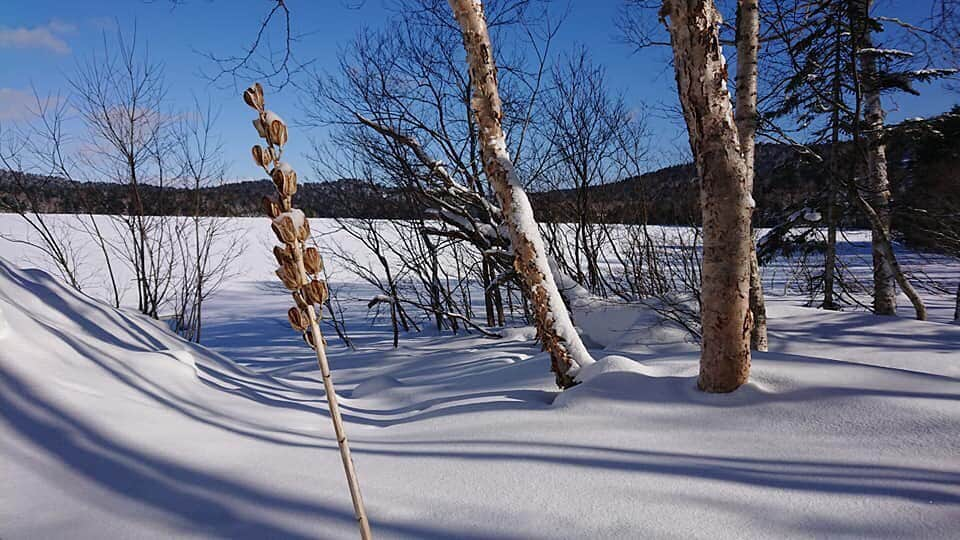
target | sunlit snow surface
[{"x": 114, "y": 428}]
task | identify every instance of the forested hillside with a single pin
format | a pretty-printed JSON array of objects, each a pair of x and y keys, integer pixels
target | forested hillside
[{"x": 924, "y": 165}]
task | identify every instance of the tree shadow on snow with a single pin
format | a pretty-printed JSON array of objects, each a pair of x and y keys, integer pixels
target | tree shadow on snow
[{"x": 196, "y": 500}]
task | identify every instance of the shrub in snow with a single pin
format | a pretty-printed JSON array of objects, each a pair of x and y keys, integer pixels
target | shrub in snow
[{"x": 299, "y": 268}]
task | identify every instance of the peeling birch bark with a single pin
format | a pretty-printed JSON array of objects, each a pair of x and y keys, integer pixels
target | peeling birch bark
[
  {"x": 554, "y": 326},
  {"x": 725, "y": 198}
]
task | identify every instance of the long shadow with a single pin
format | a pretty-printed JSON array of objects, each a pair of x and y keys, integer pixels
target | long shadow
[
  {"x": 192, "y": 497},
  {"x": 518, "y": 399},
  {"x": 53, "y": 293},
  {"x": 909, "y": 483},
  {"x": 209, "y": 502},
  {"x": 156, "y": 482}
]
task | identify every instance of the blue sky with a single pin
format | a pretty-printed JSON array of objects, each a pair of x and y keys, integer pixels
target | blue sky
[{"x": 41, "y": 41}]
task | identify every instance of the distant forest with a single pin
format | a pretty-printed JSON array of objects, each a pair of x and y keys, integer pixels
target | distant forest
[{"x": 923, "y": 161}]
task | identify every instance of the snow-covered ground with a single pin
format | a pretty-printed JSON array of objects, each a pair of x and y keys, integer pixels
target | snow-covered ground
[{"x": 111, "y": 427}]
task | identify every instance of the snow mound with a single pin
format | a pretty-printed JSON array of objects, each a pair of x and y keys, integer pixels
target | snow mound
[
  {"x": 618, "y": 325},
  {"x": 374, "y": 386},
  {"x": 843, "y": 391}
]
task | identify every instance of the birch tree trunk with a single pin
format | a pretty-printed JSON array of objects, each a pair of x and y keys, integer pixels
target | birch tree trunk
[
  {"x": 748, "y": 47},
  {"x": 877, "y": 189},
  {"x": 554, "y": 326},
  {"x": 725, "y": 197},
  {"x": 878, "y": 194}
]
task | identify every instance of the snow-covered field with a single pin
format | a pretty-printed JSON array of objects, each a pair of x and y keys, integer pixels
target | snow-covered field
[{"x": 111, "y": 427}]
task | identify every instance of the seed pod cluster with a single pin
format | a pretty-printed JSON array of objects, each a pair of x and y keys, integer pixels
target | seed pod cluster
[{"x": 299, "y": 268}]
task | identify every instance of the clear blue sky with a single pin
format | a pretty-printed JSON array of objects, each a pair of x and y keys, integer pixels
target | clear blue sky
[{"x": 41, "y": 40}]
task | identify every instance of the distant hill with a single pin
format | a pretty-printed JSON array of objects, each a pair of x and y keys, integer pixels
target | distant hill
[
  {"x": 924, "y": 167},
  {"x": 341, "y": 198}
]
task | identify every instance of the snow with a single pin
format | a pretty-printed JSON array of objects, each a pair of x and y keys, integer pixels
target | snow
[
  {"x": 110, "y": 426},
  {"x": 269, "y": 117},
  {"x": 296, "y": 216},
  {"x": 523, "y": 220},
  {"x": 285, "y": 168},
  {"x": 885, "y": 52}
]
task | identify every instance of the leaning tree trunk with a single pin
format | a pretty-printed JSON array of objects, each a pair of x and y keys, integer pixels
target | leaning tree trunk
[
  {"x": 725, "y": 197},
  {"x": 748, "y": 46},
  {"x": 885, "y": 247},
  {"x": 556, "y": 330}
]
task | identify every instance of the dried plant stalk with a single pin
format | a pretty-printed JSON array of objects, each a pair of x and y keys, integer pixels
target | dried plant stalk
[{"x": 296, "y": 264}]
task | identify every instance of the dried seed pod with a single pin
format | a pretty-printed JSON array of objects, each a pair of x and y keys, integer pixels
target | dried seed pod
[
  {"x": 303, "y": 233},
  {"x": 315, "y": 292},
  {"x": 285, "y": 179},
  {"x": 270, "y": 207},
  {"x": 291, "y": 276},
  {"x": 284, "y": 255},
  {"x": 298, "y": 319},
  {"x": 254, "y": 96},
  {"x": 311, "y": 261},
  {"x": 276, "y": 132},
  {"x": 284, "y": 228},
  {"x": 289, "y": 281},
  {"x": 271, "y": 127},
  {"x": 308, "y": 338},
  {"x": 298, "y": 299},
  {"x": 262, "y": 156}
]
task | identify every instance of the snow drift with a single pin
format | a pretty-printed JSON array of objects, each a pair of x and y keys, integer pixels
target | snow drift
[{"x": 110, "y": 426}]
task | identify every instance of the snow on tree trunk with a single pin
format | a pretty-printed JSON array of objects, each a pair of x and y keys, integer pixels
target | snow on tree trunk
[
  {"x": 725, "y": 197},
  {"x": 554, "y": 326},
  {"x": 748, "y": 46}
]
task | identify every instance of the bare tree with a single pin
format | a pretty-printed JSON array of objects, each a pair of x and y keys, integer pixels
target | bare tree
[
  {"x": 120, "y": 97},
  {"x": 209, "y": 248},
  {"x": 725, "y": 196},
  {"x": 831, "y": 65},
  {"x": 585, "y": 127},
  {"x": 877, "y": 186},
  {"x": 22, "y": 151}
]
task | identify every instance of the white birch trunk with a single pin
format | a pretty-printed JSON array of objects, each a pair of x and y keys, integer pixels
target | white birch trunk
[
  {"x": 554, "y": 326},
  {"x": 725, "y": 197},
  {"x": 877, "y": 189},
  {"x": 748, "y": 48}
]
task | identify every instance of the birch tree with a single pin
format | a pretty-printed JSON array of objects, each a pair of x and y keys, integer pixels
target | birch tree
[
  {"x": 554, "y": 326},
  {"x": 877, "y": 186},
  {"x": 748, "y": 47},
  {"x": 725, "y": 198}
]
